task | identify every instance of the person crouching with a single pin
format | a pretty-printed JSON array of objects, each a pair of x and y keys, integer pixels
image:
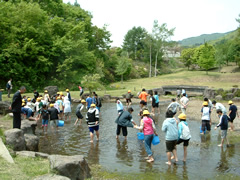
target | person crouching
[{"x": 92, "y": 118}]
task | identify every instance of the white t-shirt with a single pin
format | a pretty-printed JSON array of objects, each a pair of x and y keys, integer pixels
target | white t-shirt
[{"x": 184, "y": 100}]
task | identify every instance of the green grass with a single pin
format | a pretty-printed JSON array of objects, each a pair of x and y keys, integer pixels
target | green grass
[
  {"x": 213, "y": 80},
  {"x": 24, "y": 168}
]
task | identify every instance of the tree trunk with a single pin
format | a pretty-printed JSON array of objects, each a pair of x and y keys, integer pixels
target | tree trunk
[
  {"x": 156, "y": 65},
  {"x": 122, "y": 79},
  {"x": 150, "y": 57}
]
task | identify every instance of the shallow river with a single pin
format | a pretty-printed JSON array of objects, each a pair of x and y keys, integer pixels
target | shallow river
[{"x": 205, "y": 159}]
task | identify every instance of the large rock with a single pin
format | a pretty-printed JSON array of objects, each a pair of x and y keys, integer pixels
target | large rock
[
  {"x": 32, "y": 142},
  {"x": 42, "y": 155},
  {"x": 26, "y": 154},
  {"x": 106, "y": 97},
  {"x": 51, "y": 177},
  {"x": 229, "y": 96},
  {"x": 209, "y": 93},
  {"x": 218, "y": 98},
  {"x": 74, "y": 167},
  {"x": 15, "y": 139},
  {"x": 28, "y": 127},
  {"x": 236, "y": 99},
  {"x": 52, "y": 90},
  {"x": 4, "y": 107}
]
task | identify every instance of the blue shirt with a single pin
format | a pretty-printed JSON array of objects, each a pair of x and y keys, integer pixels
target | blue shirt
[
  {"x": 89, "y": 102},
  {"x": 156, "y": 98}
]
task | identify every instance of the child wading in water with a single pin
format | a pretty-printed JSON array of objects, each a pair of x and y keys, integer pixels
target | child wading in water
[
  {"x": 206, "y": 117},
  {"x": 78, "y": 112},
  {"x": 45, "y": 117},
  {"x": 224, "y": 126},
  {"x": 183, "y": 134},
  {"x": 149, "y": 129}
]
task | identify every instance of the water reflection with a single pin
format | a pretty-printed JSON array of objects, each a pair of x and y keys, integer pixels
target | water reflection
[
  {"x": 123, "y": 154},
  {"x": 205, "y": 159}
]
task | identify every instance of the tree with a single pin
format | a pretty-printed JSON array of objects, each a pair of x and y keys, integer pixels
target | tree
[
  {"x": 124, "y": 66},
  {"x": 92, "y": 82},
  {"x": 187, "y": 57},
  {"x": 207, "y": 57},
  {"x": 160, "y": 34},
  {"x": 133, "y": 42},
  {"x": 148, "y": 46}
]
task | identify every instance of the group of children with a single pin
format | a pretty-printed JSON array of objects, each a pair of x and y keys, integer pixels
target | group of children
[
  {"x": 177, "y": 131},
  {"x": 44, "y": 108}
]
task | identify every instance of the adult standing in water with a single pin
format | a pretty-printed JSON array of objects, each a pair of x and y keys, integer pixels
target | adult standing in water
[
  {"x": 16, "y": 107},
  {"x": 184, "y": 103}
]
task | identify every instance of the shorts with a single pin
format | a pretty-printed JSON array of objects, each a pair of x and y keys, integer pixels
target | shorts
[
  {"x": 128, "y": 100},
  {"x": 79, "y": 115},
  {"x": 206, "y": 123},
  {"x": 231, "y": 118},
  {"x": 223, "y": 134},
  {"x": 29, "y": 113},
  {"x": 67, "y": 113},
  {"x": 94, "y": 128},
  {"x": 98, "y": 108},
  {"x": 54, "y": 123},
  {"x": 185, "y": 142},
  {"x": 44, "y": 122},
  {"x": 170, "y": 145},
  {"x": 156, "y": 105}
]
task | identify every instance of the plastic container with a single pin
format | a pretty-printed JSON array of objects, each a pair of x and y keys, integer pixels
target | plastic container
[
  {"x": 60, "y": 123},
  {"x": 155, "y": 140},
  {"x": 204, "y": 130},
  {"x": 140, "y": 136}
]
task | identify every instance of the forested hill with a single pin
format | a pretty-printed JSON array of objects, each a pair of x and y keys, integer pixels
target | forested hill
[{"x": 196, "y": 41}]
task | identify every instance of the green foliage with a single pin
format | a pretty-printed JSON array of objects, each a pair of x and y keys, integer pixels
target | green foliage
[
  {"x": 199, "y": 40},
  {"x": 124, "y": 66},
  {"x": 92, "y": 82},
  {"x": 48, "y": 42},
  {"x": 206, "y": 58},
  {"x": 187, "y": 57},
  {"x": 133, "y": 42}
]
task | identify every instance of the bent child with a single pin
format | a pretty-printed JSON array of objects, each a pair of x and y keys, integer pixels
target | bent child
[{"x": 224, "y": 126}]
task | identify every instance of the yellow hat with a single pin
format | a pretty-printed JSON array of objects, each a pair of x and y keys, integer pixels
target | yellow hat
[
  {"x": 93, "y": 105},
  {"x": 67, "y": 90},
  {"x": 205, "y": 103},
  {"x": 46, "y": 91},
  {"x": 51, "y": 105},
  {"x": 58, "y": 92},
  {"x": 129, "y": 91},
  {"x": 230, "y": 102},
  {"x": 23, "y": 101},
  {"x": 145, "y": 112},
  {"x": 29, "y": 99},
  {"x": 61, "y": 93},
  {"x": 38, "y": 99},
  {"x": 23, "y": 104},
  {"x": 182, "y": 116},
  {"x": 83, "y": 101},
  {"x": 58, "y": 97}
]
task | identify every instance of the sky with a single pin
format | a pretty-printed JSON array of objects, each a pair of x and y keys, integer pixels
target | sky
[{"x": 189, "y": 17}]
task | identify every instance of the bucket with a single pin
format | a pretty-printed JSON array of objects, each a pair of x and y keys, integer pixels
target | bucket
[
  {"x": 155, "y": 140},
  {"x": 60, "y": 123},
  {"x": 204, "y": 130},
  {"x": 140, "y": 136}
]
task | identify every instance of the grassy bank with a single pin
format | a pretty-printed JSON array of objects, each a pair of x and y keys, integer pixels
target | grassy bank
[{"x": 213, "y": 80}]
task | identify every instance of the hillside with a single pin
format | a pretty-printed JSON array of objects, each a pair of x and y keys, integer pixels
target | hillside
[{"x": 196, "y": 41}]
